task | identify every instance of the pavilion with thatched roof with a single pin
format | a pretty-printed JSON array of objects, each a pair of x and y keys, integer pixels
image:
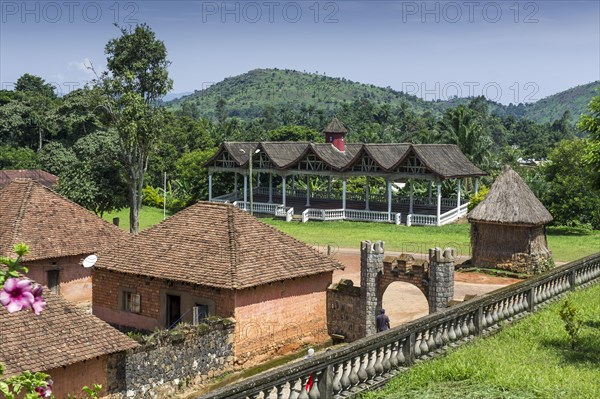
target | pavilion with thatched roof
[{"x": 507, "y": 227}]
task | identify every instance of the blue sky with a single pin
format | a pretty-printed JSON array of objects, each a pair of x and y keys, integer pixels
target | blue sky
[{"x": 510, "y": 51}]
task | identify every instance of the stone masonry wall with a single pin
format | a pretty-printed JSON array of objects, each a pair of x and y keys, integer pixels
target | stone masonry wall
[
  {"x": 171, "y": 360},
  {"x": 371, "y": 265},
  {"x": 344, "y": 312},
  {"x": 441, "y": 278}
]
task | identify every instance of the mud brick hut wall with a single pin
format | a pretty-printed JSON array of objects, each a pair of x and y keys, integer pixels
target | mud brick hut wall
[{"x": 75, "y": 280}]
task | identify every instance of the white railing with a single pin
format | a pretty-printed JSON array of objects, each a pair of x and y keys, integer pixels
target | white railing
[
  {"x": 453, "y": 214},
  {"x": 349, "y": 214},
  {"x": 226, "y": 198},
  {"x": 421, "y": 220},
  {"x": 278, "y": 210}
]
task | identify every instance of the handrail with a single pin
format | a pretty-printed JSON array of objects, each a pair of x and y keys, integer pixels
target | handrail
[{"x": 370, "y": 361}]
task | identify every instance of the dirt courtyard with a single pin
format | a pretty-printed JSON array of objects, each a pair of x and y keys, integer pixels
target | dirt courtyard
[{"x": 404, "y": 302}]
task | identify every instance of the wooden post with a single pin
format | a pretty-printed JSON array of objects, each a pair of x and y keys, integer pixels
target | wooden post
[
  {"x": 307, "y": 190},
  {"x": 439, "y": 201},
  {"x": 210, "y": 187},
  {"x": 389, "y": 200},
  {"x": 344, "y": 193},
  {"x": 245, "y": 192},
  {"x": 270, "y": 188},
  {"x": 410, "y": 203},
  {"x": 367, "y": 192},
  {"x": 283, "y": 190},
  {"x": 458, "y": 198}
]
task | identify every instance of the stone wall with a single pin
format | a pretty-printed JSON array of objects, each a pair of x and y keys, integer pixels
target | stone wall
[
  {"x": 345, "y": 320},
  {"x": 170, "y": 360},
  {"x": 441, "y": 278}
]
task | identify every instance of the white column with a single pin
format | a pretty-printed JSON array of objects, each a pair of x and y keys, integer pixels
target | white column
[
  {"x": 410, "y": 198},
  {"x": 270, "y": 188},
  {"x": 307, "y": 190},
  {"x": 367, "y": 192},
  {"x": 439, "y": 201},
  {"x": 458, "y": 195},
  {"x": 389, "y": 200},
  {"x": 283, "y": 190},
  {"x": 477, "y": 185},
  {"x": 245, "y": 191},
  {"x": 210, "y": 187},
  {"x": 344, "y": 193}
]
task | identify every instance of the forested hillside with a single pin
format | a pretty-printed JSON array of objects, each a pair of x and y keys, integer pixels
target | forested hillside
[{"x": 246, "y": 96}]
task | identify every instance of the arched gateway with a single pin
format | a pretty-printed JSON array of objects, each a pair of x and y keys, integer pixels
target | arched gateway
[
  {"x": 282, "y": 164},
  {"x": 351, "y": 310}
]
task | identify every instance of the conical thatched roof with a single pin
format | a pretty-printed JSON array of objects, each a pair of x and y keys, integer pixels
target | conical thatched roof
[
  {"x": 510, "y": 201},
  {"x": 335, "y": 126}
]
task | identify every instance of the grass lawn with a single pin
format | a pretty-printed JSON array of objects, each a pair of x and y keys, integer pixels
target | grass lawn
[
  {"x": 566, "y": 244},
  {"x": 530, "y": 359},
  {"x": 149, "y": 216}
]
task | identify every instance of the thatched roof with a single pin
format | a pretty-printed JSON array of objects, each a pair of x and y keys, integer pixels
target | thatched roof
[
  {"x": 510, "y": 201},
  {"x": 335, "y": 126},
  {"x": 443, "y": 160}
]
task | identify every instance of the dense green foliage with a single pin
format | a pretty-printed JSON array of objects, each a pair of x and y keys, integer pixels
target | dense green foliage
[{"x": 531, "y": 359}]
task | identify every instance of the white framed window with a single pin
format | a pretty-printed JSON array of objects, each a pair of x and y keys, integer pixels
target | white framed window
[{"x": 131, "y": 301}]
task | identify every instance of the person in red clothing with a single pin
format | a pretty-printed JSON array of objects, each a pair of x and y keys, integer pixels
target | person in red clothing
[{"x": 382, "y": 321}]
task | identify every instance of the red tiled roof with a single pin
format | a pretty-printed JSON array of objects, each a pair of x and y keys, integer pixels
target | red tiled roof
[
  {"x": 61, "y": 335},
  {"x": 215, "y": 245},
  {"x": 51, "y": 225},
  {"x": 41, "y": 176}
]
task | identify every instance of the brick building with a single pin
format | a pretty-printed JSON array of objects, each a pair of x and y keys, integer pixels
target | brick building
[
  {"x": 59, "y": 233},
  {"x": 73, "y": 347},
  {"x": 216, "y": 260}
]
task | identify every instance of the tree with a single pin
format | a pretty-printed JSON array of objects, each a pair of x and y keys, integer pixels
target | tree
[
  {"x": 136, "y": 79},
  {"x": 571, "y": 196},
  {"x": 590, "y": 123},
  {"x": 295, "y": 133},
  {"x": 35, "y": 84},
  {"x": 17, "y": 158}
]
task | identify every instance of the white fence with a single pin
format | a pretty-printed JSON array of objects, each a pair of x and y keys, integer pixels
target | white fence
[
  {"x": 432, "y": 220},
  {"x": 350, "y": 214}
]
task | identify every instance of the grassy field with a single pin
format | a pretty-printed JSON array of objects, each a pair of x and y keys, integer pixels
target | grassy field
[
  {"x": 148, "y": 217},
  {"x": 531, "y": 359},
  {"x": 566, "y": 244}
]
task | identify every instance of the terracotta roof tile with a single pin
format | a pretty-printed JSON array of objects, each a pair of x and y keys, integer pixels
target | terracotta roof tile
[
  {"x": 215, "y": 245},
  {"x": 61, "y": 335},
  {"x": 51, "y": 225},
  {"x": 41, "y": 176}
]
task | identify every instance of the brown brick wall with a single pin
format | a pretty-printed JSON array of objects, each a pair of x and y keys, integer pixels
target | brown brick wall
[
  {"x": 70, "y": 379},
  {"x": 108, "y": 287},
  {"x": 75, "y": 280},
  {"x": 275, "y": 319}
]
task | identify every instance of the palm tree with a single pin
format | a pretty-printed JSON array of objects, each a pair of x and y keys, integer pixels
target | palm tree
[{"x": 461, "y": 126}]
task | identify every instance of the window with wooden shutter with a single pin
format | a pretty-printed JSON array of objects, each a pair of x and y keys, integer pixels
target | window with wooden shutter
[{"x": 132, "y": 302}]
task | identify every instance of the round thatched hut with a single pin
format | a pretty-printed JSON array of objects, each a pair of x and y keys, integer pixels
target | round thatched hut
[{"x": 507, "y": 227}]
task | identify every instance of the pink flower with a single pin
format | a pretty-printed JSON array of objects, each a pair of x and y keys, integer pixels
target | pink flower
[
  {"x": 38, "y": 302},
  {"x": 16, "y": 295},
  {"x": 45, "y": 392}
]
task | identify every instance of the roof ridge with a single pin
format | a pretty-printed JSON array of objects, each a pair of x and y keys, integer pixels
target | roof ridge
[
  {"x": 21, "y": 211},
  {"x": 233, "y": 246}
]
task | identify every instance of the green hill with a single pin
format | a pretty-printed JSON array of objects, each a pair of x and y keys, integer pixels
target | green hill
[{"x": 248, "y": 95}]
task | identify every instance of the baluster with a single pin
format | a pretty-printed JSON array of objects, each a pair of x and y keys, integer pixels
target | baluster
[
  {"x": 294, "y": 389},
  {"x": 281, "y": 394},
  {"x": 544, "y": 293},
  {"x": 451, "y": 332},
  {"x": 471, "y": 325},
  {"x": 418, "y": 345},
  {"x": 259, "y": 395},
  {"x": 445, "y": 336},
  {"x": 506, "y": 311},
  {"x": 512, "y": 307},
  {"x": 489, "y": 321},
  {"x": 314, "y": 392},
  {"x": 337, "y": 377},
  {"x": 345, "y": 381},
  {"x": 423, "y": 346},
  {"x": 379, "y": 364},
  {"x": 354, "y": 372},
  {"x": 525, "y": 302},
  {"x": 495, "y": 315},
  {"x": 431, "y": 340},
  {"x": 401, "y": 357},
  {"x": 464, "y": 326},
  {"x": 394, "y": 357},
  {"x": 438, "y": 336},
  {"x": 457, "y": 330},
  {"x": 387, "y": 365},
  {"x": 371, "y": 367},
  {"x": 362, "y": 371},
  {"x": 303, "y": 393}
]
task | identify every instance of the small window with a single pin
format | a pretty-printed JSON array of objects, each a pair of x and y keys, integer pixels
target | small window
[
  {"x": 53, "y": 277},
  {"x": 200, "y": 312},
  {"x": 131, "y": 302}
]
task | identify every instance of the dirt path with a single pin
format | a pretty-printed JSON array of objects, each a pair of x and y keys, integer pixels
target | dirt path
[{"x": 404, "y": 302}]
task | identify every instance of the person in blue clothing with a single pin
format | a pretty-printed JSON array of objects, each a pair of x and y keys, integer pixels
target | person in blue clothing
[{"x": 382, "y": 321}]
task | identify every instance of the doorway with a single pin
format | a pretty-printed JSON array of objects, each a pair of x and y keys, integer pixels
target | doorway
[{"x": 173, "y": 310}]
